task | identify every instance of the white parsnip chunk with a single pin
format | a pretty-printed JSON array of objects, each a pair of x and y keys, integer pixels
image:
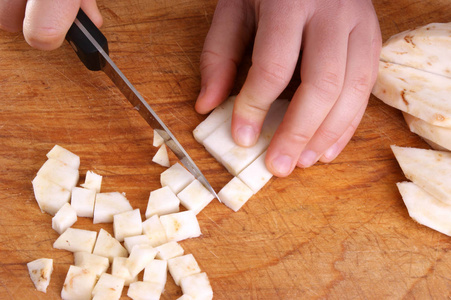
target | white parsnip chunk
[
  {"x": 65, "y": 156},
  {"x": 139, "y": 258},
  {"x": 76, "y": 240},
  {"x": 64, "y": 218},
  {"x": 132, "y": 241},
  {"x": 119, "y": 269},
  {"x": 176, "y": 177},
  {"x": 235, "y": 194},
  {"x": 109, "y": 204},
  {"x": 156, "y": 271},
  {"x": 93, "y": 181},
  {"x": 40, "y": 271},
  {"x": 107, "y": 246},
  {"x": 141, "y": 290},
  {"x": 161, "y": 157},
  {"x": 161, "y": 202},
  {"x": 127, "y": 224},
  {"x": 157, "y": 139},
  {"x": 197, "y": 286},
  {"x": 169, "y": 250},
  {"x": 78, "y": 284},
  {"x": 180, "y": 226},
  {"x": 182, "y": 266},
  {"x": 49, "y": 195},
  {"x": 220, "y": 141},
  {"x": 94, "y": 263},
  {"x": 256, "y": 175},
  {"x": 83, "y": 200},
  {"x": 154, "y": 230},
  {"x": 195, "y": 196},
  {"x": 59, "y": 173},
  {"x": 108, "y": 287}
]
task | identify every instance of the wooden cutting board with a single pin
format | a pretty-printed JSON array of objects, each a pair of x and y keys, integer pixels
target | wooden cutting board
[{"x": 337, "y": 230}]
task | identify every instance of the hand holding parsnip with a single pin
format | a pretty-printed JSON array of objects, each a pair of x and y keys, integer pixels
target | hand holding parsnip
[{"x": 340, "y": 42}]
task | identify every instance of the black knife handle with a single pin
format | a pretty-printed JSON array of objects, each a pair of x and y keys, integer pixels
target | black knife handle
[{"x": 85, "y": 50}]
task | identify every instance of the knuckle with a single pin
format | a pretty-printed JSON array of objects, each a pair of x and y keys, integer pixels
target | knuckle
[
  {"x": 211, "y": 58},
  {"x": 274, "y": 74},
  {"x": 328, "y": 134},
  {"x": 361, "y": 85},
  {"x": 328, "y": 86},
  {"x": 297, "y": 137}
]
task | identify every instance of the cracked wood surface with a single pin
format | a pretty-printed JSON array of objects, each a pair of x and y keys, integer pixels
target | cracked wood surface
[{"x": 338, "y": 230}]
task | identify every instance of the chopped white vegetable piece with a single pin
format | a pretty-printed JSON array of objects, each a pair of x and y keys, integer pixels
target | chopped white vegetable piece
[
  {"x": 425, "y": 208},
  {"x": 131, "y": 241},
  {"x": 108, "y": 246},
  {"x": 119, "y": 269},
  {"x": 180, "y": 226},
  {"x": 78, "y": 284},
  {"x": 49, "y": 195},
  {"x": 126, "y": 224},
  {"x": 218, "y": 116},
  {"x": 176, "y": 177},
  {"x": 40, "y": 271},
  {"x": 169, "y": 250},
  {"x": 139, "y": 258},
  {"x": 109, "y": 204},
  {"x": 64, "y": 218},
  {"x": 197, "y": 286},
  {"x": 220, "y": 140},
  {"x": 161, "y": 202},
  {"x": 161, "y": 157},
  {"x": 182, "y": 266},
  {"x": 108, "y": 287},
  {"x": 157, "y": 139},
  {"x": 76, "y": 240},
  {"x": 235, "y": 194},
  {"x": 195, "y": 196},
  {"x": 65, "y": 156},
  {"x": 142, "y": 290},
  {"x": 92, "y": 262},
  {"x": 431, "y": 133},
  {"x": 154, "y": 230},
  {"x": 82, "y": 200},
  {"x": 59, "y": 173},
  {"x": 429, "y": 169},
  {"x": 93, "y": 181},
  {"x": 256, "y": 175},
  {"x": 185, "y": 297},
  {"x": 156, "y": 271}
]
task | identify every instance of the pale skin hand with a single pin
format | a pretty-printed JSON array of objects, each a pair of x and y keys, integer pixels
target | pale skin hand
[
  {"x": 44, "y": 22},
  {"x": 340, "y": 43}
]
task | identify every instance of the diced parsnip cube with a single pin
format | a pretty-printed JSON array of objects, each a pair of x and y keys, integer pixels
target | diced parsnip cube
[
  {"x": 109, "y": 204},
  {"x": 119, "y": 269},
  {"x": 131, "y": 241},
  {"x": 195, "y": 196},
  {"x": 185, "y": 297},
  {"x": 156, "y": 271},
  {"x": 154, "y": 230},
  {"x": 176, "y": 177},
  {"x": 197, "y": 286},
  {"x": 76, "y": 240},
  {"x": 161, "y": 202},
  {"x": 64, "y": 155},
  {"x": 256, "y": 175},
  {"x": 108, "y": 287},
  {"x": 140, "y": 257},
  {"x": 216, "y": 118},
  {"x": 126, "y": 224},
  {"x": 180, "y": 226},
  {"x": 64, "y": 218},
  {"x": 182, "y": 266},
  {"x": 108, "y": 246},
  {"x": 169, "y": 250},
  {"x": 93, "y": 181},
  {"x": 141, "y": 290},
  {"x": 59, "y": 173},
  {"x": 82, "y": 200},
  {"x": 161, "y": 157},
  {"x": 220, "y": 140},
  {"x": 235, "y": 193},
  {"x": 49, "y": 195},
  {"x": 78, "y": 284},
  {"x": 94, "y": 263},
  {"x": 157, "y": 139},
  {"x": 40, "y": 271}
]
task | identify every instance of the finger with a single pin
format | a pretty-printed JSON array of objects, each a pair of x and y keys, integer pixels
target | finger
[
  {"x": 11, "y": 14},
  {"x": 322, "y": 73},
  {"x": 276, "y": 51},
  {"x": 224, "y": 46},
  {"x": 92, "y": 11},
  {"x": 356, "y": 90}
]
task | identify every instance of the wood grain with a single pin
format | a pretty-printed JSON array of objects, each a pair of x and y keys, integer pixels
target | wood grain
[{"x": 337, "y": 230}]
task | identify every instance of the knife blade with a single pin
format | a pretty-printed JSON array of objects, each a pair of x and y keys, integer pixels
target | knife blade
[{"x": 91, "y": 47}]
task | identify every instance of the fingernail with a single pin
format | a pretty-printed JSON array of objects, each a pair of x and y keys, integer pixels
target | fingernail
[
  {"x": 331, "y": 153},
  {"x": 308, "y": 158},
  {"x": 246, "y": 136},
  {"x": 282, "y": 164}
]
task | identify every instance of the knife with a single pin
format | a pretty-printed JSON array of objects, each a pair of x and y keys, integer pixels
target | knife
[{"x": 91, "y": 47}]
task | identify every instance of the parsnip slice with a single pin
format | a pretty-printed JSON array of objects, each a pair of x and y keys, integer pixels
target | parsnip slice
[
  {"x": 256, "y": 175},
  {"x": 64, "y": 218},
  {"x": 195, "y": 196},
  {"x": 419, "y": 93},
  {"x": 197, "y": 286},
  {"x": 176, "y": 178},
  {"x": 119, "y": 269},
  {"x": 76, "y": 240},
  {"x": 40, "y": 271},
  {"x": 180, "y": 226},
  {"x": 49, "y": 195},
  {"x": 59, "y": 173},
  {"x": 141, "y": 290},
  {"x": 107, "y": 246},
  {"x": 437, "y": 134},
  {"x": 78, "y": 284},
  {"x": 83, "y": 200},
  {"x": 429, "y": 169},
  {"x": 108, "y": 287},
  {"x": 182, "y": 266},
  {"x": 94, "y": 263},
  {"x": 235, "y": 194},
  {"x": 220, "y": 141},
  {"x": 93, "y": 181},
  {"x": 169, "y": 250},
  {"x": 157, "y": 139},
  {"x": 156, "y": 271},
  {"x": 161, "y": 157},
  {"x": 65, "y": 156},
  {"x": 161, "y": 202},
  {"x": 132, "y": 241},
  {"x": 139, "y": 258},
  {"x": 154, "y": 230},
  {"x": 109, "y": 204},
  {"x": 127, "y": 224},
  {"x": 425, "y": 208}
]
